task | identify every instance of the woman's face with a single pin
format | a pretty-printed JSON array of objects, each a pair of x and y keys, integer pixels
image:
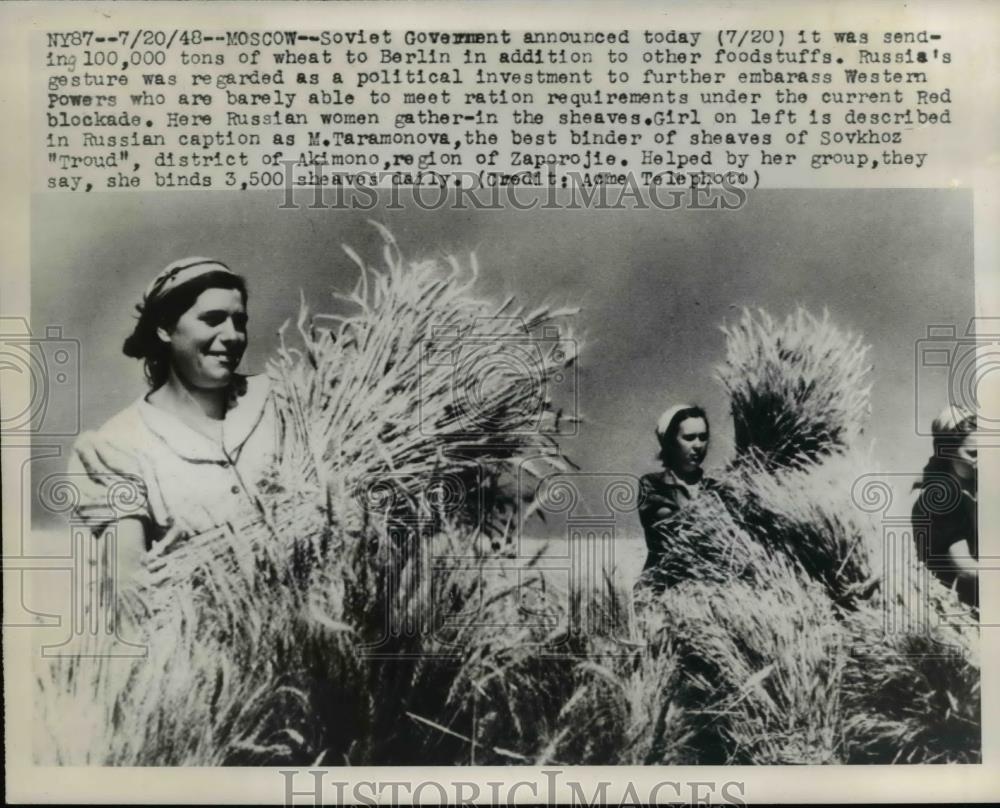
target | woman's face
[
  {"x": 964, "y": 457},
  {"x": 690, "y": 445},
  {"x": 208, "y": 340}
]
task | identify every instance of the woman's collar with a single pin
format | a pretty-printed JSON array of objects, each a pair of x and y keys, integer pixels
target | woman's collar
[
  {"x": 244, "y": 413},
  {"x": 671, "y": 478}
]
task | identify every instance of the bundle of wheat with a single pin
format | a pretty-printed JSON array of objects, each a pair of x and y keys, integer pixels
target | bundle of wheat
[
  {"x": 458, "y": 680},
  {"x": 230, "y": 667},
  {"x": 759, "y": 685},
  {"x": 259, "y": 634},
  {"x": 797, "y": 387},
  {"x": 807, "y": 512},
  {"x": 912, "y": 681},
  {"x": 408, "y": 410},
  {"x": 623, "y": 707},
  {"x": 841, "y": 657},
  {"x": 763, "y": 682},
  {"x": 709, "y": 542}
]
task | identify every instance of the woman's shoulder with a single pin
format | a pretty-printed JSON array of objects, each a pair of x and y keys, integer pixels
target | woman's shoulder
[
  {"x": 113, "y": 445},
  {"x": 121, "y": 429},
  {"x": 658, "y": 486},
  {"x": 664, "y": 479},
  {"x": 652, "y": 480},
  {"x": 943, "y": 497}
]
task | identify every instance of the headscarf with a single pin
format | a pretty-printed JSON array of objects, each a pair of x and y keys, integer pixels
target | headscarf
[
  {"x": 663, "y": 424},
  {"x": 177, "y": 274},
  {"x": 172, "y": 277}
]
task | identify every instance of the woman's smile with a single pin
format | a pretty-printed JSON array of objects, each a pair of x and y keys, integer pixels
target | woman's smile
[
  {"x": 209, "y": 339},
  {"x": 228, "y": 358}
]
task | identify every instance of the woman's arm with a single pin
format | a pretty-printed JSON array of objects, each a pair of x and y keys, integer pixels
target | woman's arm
[
  {"x": 961, "y": 558},
  {"x": 655, "y": 505},
  {"x": 130, "y": 548},
  {"x": 111, "y": 496}
]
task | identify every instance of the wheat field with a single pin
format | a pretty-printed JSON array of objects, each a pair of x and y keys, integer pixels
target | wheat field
[{"x": 372, "y": 610}]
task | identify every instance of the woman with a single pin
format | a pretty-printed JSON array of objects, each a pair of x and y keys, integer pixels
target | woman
[
  {"x": 944, "y": 516},
  {"x": 683, "y": 433},
  {"x": 185, "y": 457}
]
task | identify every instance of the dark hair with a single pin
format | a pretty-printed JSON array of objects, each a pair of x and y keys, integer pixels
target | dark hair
[
  {"x": 950, "y": 429},
  {"x": 164, "y": 312},
  {"x": 668, "y": 439}
]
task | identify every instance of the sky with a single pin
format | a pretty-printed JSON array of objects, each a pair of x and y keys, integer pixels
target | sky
[{"x": 654, "y": 286}]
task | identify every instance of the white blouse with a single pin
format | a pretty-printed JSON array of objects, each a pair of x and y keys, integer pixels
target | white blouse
[{"x": 147, "y": 463}]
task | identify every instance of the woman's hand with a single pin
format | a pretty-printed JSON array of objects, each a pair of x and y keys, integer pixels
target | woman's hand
[{"x": 172, "y": 539}]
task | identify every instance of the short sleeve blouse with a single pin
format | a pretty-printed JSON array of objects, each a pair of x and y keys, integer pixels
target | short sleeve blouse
[{"x": 146, "y": 463}]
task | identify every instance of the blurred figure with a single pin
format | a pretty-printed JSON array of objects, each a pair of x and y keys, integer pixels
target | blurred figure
[
  {"x": 683, "y": 434},
  {"x": 945, "y": 512}
]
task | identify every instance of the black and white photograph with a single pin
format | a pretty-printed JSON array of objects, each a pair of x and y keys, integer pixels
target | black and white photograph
[
  {"x": 423, "y": 486},
  {"x": 497, "y": 403}
]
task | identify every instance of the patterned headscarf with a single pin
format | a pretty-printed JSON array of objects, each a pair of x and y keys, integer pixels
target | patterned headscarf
[
  {"x": 143, "y": 343},
  {"x": 177, "y": 274}
]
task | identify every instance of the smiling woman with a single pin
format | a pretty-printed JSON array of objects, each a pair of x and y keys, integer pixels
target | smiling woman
[{"x": 186, "y": 456}]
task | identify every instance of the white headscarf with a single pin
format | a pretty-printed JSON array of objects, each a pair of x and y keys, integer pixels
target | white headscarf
[{"x": 663, "y": 424}]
